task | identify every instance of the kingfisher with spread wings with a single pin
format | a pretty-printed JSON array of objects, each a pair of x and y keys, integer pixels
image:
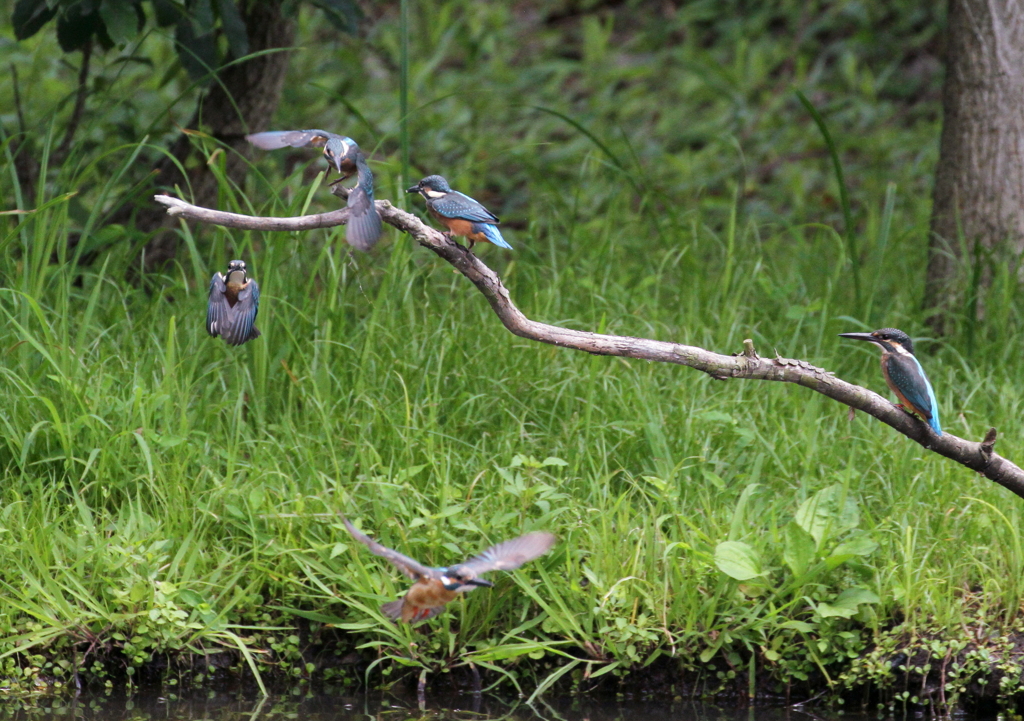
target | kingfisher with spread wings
[
  {"x": 364, "y": 224},
  {"x": 233, "y": 304},
  {"x": 434, "y": 588}
]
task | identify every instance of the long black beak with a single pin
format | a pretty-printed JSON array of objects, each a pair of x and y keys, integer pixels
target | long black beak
[
  {"x": 479, "y": 582},
  {"x": 859, "y": 336},
  {"x": 413, "y": 189}
]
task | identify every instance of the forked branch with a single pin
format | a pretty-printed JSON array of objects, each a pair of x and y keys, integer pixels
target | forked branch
[{"x": 748, "y": 364}]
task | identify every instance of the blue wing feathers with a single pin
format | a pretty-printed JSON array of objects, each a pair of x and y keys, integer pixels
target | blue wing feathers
[
  {"x": 908, "y": 375},
  {"x": 242, "y": 327},
  {"x": 927, "y": 400},
  {"x": 235, "y": 324},
  {"x": 457, "y": 205},
  {"x": 274, "y": 139},
  {"x": 364, "y": 224}
]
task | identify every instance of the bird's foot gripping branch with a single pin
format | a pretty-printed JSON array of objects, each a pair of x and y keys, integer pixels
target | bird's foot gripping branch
[{"x": 978, "y": 456}]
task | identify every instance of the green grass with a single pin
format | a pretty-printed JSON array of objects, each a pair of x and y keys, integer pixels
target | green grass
[{"x": 163, "y": 492}]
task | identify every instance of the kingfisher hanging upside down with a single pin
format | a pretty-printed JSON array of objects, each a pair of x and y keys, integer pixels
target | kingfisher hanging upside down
[
  {"x": 459, "y": 213},
  {"x": 436, "y": 587},
  {"x": 903, "y": 373},
  {"x": 233, "y": 305},
  {"x": 364, "y": 224}
]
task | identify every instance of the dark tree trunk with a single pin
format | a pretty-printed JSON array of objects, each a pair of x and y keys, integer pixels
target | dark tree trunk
[
  {"x": 242, "y": 102},
  {"x": 979, "y": 181}
]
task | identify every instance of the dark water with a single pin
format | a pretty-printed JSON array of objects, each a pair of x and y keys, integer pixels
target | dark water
[{"x": 225, "y": 707}]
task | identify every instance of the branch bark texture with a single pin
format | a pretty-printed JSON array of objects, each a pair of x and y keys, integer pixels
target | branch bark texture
[{"x": 978, "y": 456}]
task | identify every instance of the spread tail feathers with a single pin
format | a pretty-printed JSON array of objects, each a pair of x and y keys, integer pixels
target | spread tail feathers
[
  {"x": 393, "y": 609},
  {"x": 494, "y": 235}
]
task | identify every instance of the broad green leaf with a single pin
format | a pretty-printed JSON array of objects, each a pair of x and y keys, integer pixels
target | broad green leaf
[
  {"x": 799, "y": 549},
  {"x": 801, "y": 626},
  {"x": 847, "y": 602},
  {"x": 29, "y": 16},
  {"x": 120, "y": 19},
  {"x": 166, "y": 12},
  {"x": 828, "y": 513},
  {"x": 75, "y": 30},
  {"x": 857, "y": 595},
  {"x": 190, "y": 597},
  {"x": 738, "y": 560},
  {"x": 406, "y": 473},
  {"x": 860, "y": 544},
  {"x": 828, "y": 610}
]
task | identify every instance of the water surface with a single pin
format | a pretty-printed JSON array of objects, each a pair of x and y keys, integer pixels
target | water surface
[{"x": 229, "y": 707}]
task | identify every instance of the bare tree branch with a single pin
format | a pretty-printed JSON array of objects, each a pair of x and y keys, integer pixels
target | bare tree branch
[{"x": 748, "y": 364}]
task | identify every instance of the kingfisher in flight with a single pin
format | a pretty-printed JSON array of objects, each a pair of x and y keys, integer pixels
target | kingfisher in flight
[
  {"x": 436, "y": 587},
  {"x": 364, "y": 223},
  {"x": 903, "y": 373},
  {"x": 233, "y": 305},
  {"x": 459, "y": 213}
]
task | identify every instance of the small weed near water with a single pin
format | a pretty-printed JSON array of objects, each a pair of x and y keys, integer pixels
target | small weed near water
[{"x": 169, "y": 504}]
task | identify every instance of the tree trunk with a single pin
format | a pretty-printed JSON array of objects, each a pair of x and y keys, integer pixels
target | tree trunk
[
  {"x": 242, "y": 102},
  {"x": 979, "y": 180}
]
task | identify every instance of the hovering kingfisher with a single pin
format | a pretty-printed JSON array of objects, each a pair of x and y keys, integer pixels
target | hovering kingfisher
[
  {"x": 459, "y": 213},
  {"x": 903, "y": 373},
  {"x": 436, "y": 587},
  {"x": 233, "y": 305},
  {"x": 364, "y": 224}
]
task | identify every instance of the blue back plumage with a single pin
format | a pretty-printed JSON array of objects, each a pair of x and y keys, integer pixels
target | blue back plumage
[{"x": 906, "y": 374}]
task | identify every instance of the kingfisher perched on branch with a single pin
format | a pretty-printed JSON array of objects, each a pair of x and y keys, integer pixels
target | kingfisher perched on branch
[
  {"x": 903, "y": 373},
  {"x": 459, "y": 213},
  {"x": 233, "y": 305},
  {"x": 436, "y": 587},
  {"x": 364, "y": 224}
]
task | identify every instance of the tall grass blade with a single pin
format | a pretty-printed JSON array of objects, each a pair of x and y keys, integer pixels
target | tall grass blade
[{"x": 844, "y": 196}]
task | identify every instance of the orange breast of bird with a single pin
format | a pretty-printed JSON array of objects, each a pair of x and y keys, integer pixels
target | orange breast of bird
[
  {"x": 424, "y": 596},
  {"x": 457, "y": 226},
  {"x": 231, "y": 291}
]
